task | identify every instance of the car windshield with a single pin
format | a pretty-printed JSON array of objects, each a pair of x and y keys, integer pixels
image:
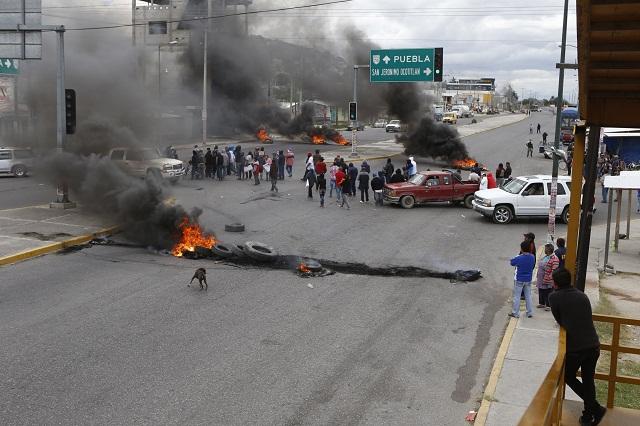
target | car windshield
[
  {"x": 394, "y": 122},
  {"x": 143, "y": 155},
  {"x": 514, "y": 186},
  {"x": 416, "y": 179}
]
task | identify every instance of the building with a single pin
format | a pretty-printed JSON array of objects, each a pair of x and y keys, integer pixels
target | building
[{"x": 476, "y": 93}]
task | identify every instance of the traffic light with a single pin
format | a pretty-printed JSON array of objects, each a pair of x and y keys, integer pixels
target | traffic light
[
  {"x": 437, "y": 66},
  {"x": 353, "y": 111},
  {"x": 70, "y": 110}
]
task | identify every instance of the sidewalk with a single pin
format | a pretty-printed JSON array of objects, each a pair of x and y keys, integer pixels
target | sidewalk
[
  {"x": 529, "y": 345},
  {"x": 32, "y": 231}
]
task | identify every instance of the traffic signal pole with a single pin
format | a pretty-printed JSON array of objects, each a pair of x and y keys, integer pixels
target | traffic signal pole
[
  {"x": 354, "y": 123},
  {"x": 62, "y": 195}
]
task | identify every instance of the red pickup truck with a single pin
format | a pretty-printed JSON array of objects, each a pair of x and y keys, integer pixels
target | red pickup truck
[{"x": 431, "y": 186}]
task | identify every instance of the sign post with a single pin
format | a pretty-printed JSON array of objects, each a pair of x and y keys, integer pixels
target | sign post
[{"x": 405, "y": 65}]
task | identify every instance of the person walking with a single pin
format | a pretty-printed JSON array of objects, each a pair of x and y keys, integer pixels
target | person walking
[
  {"x": 320, "y": 169},
  {"x": 308, "y": 166},
  {"x": 342, "y": 182},
  {"x": 500, "y": 175},
  {"x": 257, "y": 168},
  {"x": 524, "y": 263},
  {"x": 332, "y": 179},
  {"x": 289, "y": 159},
  {"x": 363, "y": 185},
  {"x": 572, "y": 311},
  {"x": 544, "y": 281},
  {"x": 248, "y": 165},
  {"x": 538, "y": 129},
  {"x": 322, "y": 188},
  {"x": 530, "y": 128},
  {"x": 544, "y": 137},
  {"x": 353, "y": 178},
  {"x": 311, "y": 181},
  {"x": 377, "y": 183},
  {"x": 529, "y": 149},
  {"x": 274, "y": 175}
]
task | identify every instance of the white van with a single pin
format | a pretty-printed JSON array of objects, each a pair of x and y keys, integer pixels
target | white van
[
  {"x": 15, "y": 161},
  {"x": 524, "y": 196}
]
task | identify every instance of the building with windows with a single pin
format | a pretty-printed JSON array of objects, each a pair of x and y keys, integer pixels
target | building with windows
[{"x": 476, "y": 93}]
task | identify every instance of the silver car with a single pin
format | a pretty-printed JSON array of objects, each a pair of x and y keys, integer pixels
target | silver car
[{"x": 16, "y": 161}]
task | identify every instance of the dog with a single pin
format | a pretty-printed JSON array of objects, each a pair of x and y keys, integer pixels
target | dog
[{"x": 201, "y": 275}]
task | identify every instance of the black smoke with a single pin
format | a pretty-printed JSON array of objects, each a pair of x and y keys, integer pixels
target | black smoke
[{"x": 141, "y": 207}]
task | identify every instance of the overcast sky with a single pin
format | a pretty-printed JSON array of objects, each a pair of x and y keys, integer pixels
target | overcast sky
[{"x": 514, "y": 41}]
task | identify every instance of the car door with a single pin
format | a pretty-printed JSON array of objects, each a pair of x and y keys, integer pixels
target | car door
[
  {"x": 431, "y": 188},
  {"x": 562, "y": 196},
  {"x": 533, "y": 200},
  {"x": 5, "y": 161},
  {"x": 134, "y": 161}
]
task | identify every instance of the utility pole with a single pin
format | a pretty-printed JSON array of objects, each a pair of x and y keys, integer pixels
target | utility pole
[
  {"x": 551, "y": 228},
  {"x": 354, "y": 123},
  {"x": 133, "y": 22},
  {"x": 207, "y": 28}
]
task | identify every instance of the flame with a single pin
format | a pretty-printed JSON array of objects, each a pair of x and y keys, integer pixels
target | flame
[
  {"x": 303, "y": 268},
  {"x": 339, "y": 139},
  {"x": 263, "y": 135},
  {"x": 317, "y": 139},
  {"x": 191, "y": 235},
  {"x": 467, "y": 163}
]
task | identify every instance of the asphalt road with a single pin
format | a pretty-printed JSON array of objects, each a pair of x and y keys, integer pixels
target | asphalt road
[{"x": 112, "y": 335}]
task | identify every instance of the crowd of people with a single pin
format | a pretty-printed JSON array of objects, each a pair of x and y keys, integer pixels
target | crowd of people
[{"x": 486, "y": 179}]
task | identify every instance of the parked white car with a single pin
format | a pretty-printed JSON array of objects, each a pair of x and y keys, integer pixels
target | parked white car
[{"x": 524, "y": 196}]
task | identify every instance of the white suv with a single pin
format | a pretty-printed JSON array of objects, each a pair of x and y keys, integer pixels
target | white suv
[{"x": 524, "y": 196}]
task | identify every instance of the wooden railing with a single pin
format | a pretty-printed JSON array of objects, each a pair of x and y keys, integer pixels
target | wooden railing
[
  {"x": 615, "y": 348},
  {"x": 546, "y": 406}
]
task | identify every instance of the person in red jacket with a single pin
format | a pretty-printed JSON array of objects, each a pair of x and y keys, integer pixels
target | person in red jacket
[
  {"x": 321, "y": 169},
  {"x": 341, "y": 179},
  {"x": 491, "y": 181}
]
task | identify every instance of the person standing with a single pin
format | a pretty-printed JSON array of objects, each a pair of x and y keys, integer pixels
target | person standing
[
  {"x": 491, "y": 181},
  {"x": 316, "y": 157},
  {"x": 352, "y": 172},
  {"x": 507, "y": 171},
  {"x": 322, "y": 188},
  {"x": 239, "y": 162},
  {"x": 274, "y": 174},
  {"x": 377, "y": 183},
  {"x": 363, "y": 185},
  {"x": 342, "y": 182},
  {"x": 340, "y": 176},
  {"x": 257, "y": 168},
  {"x": 530, "y": 128},
  {"x": 332, "y": 179},
  {"x": 474, "y": 177},
  {"x": 524, "y": 263},
  {"x": 289, "y": 158},
  {"x": 281, "y": 161},
  {"x": 544, "y": 137},
  {"x": 388, "y": 170},
  {"x": 414, "y": 167},
  {"x": 208, "y": 163},
  {"x": 538, "y": 128},
  {"x": 572, "y": 311},
  {"x": 529, "y": 149},
  {"x": 500, "y": 175},
  {"x": 561, "y": 252},
  {"x": 484, "y": 182},
  {"x": 544, "y": 281},
  {"x": 366, "y": 166},
  {"x": 397, "y": 177}
]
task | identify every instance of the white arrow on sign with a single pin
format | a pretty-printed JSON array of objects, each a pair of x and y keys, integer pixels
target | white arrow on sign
[
  {"x": 7, "y": 63},
  {"x": 386, "y": 59},
  {"x": 427, "y": 71}
]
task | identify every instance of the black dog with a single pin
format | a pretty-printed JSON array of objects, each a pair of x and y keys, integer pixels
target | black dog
[{"x": 201, "y": 275}]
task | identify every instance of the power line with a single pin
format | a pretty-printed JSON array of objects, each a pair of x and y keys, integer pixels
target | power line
[{"x": 206, "y": 18}]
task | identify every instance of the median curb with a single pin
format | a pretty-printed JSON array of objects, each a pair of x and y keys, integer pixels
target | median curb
[
  {"x": 50, "y": 248},
  {"x": 489, "y": 390}
]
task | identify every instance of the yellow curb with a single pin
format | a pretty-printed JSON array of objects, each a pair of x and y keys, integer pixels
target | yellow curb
[
  {"x": 490, "y": 389},
  {"x": 28, "y": 254}
]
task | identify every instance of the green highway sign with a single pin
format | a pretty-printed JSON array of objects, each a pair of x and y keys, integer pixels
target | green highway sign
[
  {"x": 8, "y": 66},
  {"x": 405, "y": 65}
]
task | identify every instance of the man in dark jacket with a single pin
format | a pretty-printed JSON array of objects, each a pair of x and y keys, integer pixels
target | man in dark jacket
[
  {"x": 377, "y": 182},
  {"x": 363, "y": 185},
  {"x": 388, "y": 170},
  {"x": 208, "y": 163},
  {"x": 352, "y": 171},
  {"x": 274, "y": 172},
  {"x": 572, "y": 310},
  {"x": 397, "y": 177},
  {"x": 281, "y": 160},
  {"x": 507, "y": 171}
]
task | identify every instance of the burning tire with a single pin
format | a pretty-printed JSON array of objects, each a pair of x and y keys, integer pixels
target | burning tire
[
  {"x": 260, "y": 252},
  {"x": 234, "y": 227},
  {"x": 407, "y": 202},
  {"x": 502, "y": 215},
  {"x": 312, "y": 265},
  {"x": 202, "y": 252},
  {"x": 221, "y": 250}
]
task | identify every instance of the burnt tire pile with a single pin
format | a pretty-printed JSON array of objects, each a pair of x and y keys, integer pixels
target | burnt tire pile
[{"x": 251, "y": 251}]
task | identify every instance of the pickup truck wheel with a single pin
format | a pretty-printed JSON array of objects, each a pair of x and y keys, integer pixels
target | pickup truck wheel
[
  {"x": 467, "y": 201},
  {"x": 407, "y": 202},
  {"x": 565, "y": 215},
  {"x": 502, "y": 215}
]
